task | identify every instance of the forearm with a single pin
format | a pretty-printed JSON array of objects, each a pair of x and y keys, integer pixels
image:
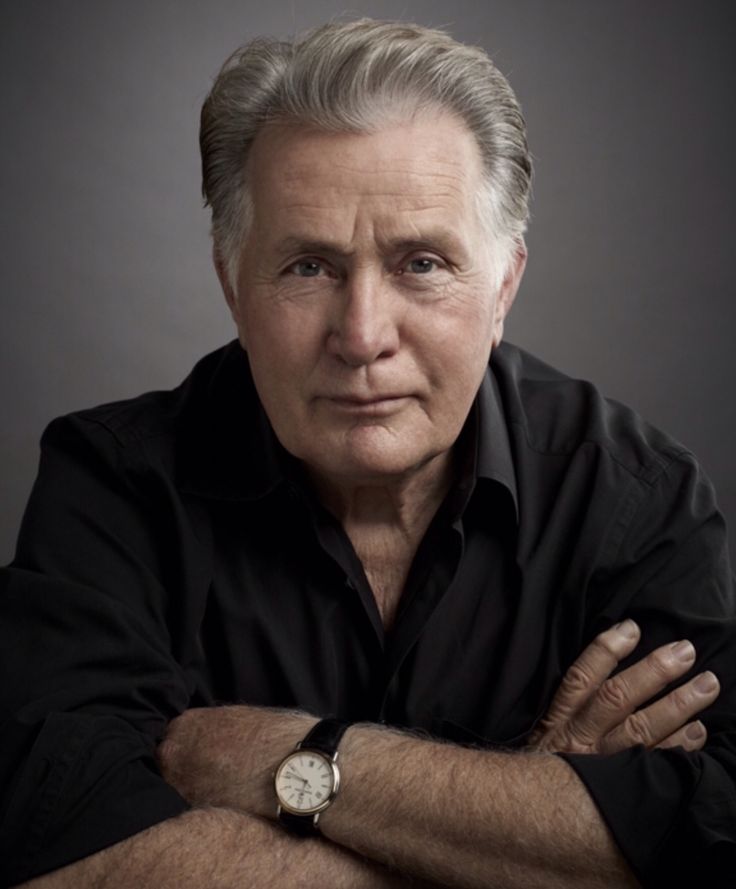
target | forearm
[
  {"x": 220, "y": 849},
  {"x": 470, "y": 817},
  {"x": 462, "y": 817}
]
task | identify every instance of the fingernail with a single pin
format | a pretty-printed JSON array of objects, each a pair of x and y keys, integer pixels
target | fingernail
[
  {"x": 627, "y": 628},
  {"x": 683, "y": 651},
  {"x": 695, "y": 731},
  {"x": 705, "y": 683}
]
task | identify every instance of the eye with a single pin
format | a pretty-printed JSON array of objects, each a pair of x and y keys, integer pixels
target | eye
[
  {"x": 306, "y": 268},
  {"x": 421, "y": 265}
]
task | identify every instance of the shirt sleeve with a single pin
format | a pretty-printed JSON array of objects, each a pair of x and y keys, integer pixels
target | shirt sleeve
[
  {"x": 672, "y": 813},
  {"x": 90, "y": 677}
]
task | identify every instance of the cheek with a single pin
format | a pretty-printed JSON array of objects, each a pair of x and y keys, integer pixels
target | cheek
[
  {"x": 460, "y": 350},
  {"x": 483, "y": 318},
  {"x": 284, "y": 352},
  {"x": 270, "y": 333},
  {"x": 463, "y": 333}
]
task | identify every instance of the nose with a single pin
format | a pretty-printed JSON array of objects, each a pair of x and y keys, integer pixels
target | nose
[{"x": 364, "y": 327}]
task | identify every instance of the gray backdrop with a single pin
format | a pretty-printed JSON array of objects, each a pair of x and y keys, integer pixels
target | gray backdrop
[{"x": 106, "y": 283}]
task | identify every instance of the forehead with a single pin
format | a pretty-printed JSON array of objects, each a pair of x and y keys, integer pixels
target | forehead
[{"x": 419, "y": 167}]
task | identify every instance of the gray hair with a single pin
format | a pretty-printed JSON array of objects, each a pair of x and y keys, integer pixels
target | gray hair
[{"x": 357, "y": 77}]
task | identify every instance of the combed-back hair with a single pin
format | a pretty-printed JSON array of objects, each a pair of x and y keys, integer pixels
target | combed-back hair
[{"x": 358, "y": 77}]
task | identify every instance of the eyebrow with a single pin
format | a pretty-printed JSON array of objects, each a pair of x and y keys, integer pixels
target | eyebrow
[
  {"x": 441, "y": 239},
  {"x": 295, "y": 244}
]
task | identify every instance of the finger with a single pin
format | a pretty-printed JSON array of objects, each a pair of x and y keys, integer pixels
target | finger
[
  {"x": 691, "y": 737},
  {"x": 619, "y": 696},
  {"x": 622, "y": 694},
  {"x": 665, "y": 717},
  {"x": 591, "y": 669}
]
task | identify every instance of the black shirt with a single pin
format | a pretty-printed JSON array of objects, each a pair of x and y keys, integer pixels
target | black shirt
[{"x": 171, "y": 556}]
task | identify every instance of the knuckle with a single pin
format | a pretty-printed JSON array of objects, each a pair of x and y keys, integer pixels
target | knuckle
[
  {"x": 681, "y": 699},
  {"x": 639, "y": 729},
  {"x": 558, "y": 714},
  {"x": 613, "y": 693},
  {"x": 578, "y": 740},
  {"x": 660, "y": 663},
  {"x": 578, "y": 679}
]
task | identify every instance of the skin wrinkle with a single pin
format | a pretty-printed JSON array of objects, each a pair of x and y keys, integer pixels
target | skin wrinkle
[
  {"x": 370, "y": 226},
  {"x": 392, "y": 167},
  {"x": 307, "y": 243},
  {"x": 364, "y": 233},
  {"x": 391, "y": 193},
  {"x": 435, "y": 163}
]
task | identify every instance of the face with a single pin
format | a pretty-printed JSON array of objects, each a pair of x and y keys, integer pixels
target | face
[{"x": 364, "y": 297}]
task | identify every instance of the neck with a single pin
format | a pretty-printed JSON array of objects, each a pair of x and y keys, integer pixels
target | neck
[
  {"x": 402, "y": 506},
  {"x": 385, "y": 521}
]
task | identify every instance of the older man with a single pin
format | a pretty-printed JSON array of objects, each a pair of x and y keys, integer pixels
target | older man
[{"x": 349, "y": 513}]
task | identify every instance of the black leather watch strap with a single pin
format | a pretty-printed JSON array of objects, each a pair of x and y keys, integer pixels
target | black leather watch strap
[
  {"x": 325, "y": 736},
  {"x": 301, "y": 825}
]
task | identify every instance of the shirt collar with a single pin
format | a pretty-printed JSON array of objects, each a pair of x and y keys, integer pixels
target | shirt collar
[
  {"x": 494, "y": 460},
  {"x": 483, "y": 453},
  {"x": 229, "y": 450}
]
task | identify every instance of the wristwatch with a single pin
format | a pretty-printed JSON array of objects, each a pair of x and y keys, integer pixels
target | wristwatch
[{"x": 307, "y": 780}]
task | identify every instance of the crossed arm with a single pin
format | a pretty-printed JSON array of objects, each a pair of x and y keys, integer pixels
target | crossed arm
[{"x": 411, "y": 810}]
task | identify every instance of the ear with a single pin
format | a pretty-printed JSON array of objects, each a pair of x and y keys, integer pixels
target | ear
[
  {"x": 507, "y": 291},
  {"x": 227, "y": 288}
]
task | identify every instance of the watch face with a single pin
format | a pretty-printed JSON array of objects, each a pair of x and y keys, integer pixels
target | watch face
[{"x": 306, "y": 782}]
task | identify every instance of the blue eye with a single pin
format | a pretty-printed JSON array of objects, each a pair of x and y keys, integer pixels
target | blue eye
[
  {"x": 421, "y": 266},
  {"x": 306, "y": 268}
]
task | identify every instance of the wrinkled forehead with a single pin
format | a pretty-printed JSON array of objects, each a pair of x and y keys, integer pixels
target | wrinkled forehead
[
  {"x": 418, "y": 167},
  {"x": 439, "y": 129}
]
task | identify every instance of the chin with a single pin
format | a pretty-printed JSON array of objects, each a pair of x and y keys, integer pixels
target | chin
[
  {"x": 356, "y": 465},
  {"x": 372, "y": 453}
]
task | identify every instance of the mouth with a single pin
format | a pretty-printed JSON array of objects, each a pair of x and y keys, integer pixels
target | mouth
[{"x": 371, "y": 405}]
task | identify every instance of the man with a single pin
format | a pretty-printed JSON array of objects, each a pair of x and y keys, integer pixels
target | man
[{"x": 349, "y": 516}]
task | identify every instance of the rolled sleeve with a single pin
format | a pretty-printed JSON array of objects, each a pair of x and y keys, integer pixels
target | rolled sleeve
[
  {"x": 90, "y": 676},
  {"x": 86, "y": 783},
  {"x": 672, "y": 812}
]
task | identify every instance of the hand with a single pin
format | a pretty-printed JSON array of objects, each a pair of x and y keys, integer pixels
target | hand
[
  {"x": 226, "y": 756},
  {"x": 594, "y": 712}
]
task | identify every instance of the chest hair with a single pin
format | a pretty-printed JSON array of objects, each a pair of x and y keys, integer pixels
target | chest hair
[{"x": 386, "y": 564}]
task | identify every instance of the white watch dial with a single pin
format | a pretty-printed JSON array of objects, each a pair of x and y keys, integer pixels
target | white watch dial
[{"x": 305, "y": 782}]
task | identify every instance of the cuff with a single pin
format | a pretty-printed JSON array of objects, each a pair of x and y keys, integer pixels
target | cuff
[{"x": 672, "y": 813}]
